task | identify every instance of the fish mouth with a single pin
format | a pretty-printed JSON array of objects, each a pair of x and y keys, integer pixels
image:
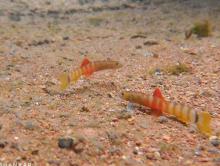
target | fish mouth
[
  {"x": 121, "y": 95},
  {"x": 119, "y": 65}
]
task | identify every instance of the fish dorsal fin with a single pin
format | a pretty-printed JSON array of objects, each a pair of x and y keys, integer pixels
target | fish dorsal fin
[
  {"x": 157, "y": 93},
  {"x": 85, "y": 62}
]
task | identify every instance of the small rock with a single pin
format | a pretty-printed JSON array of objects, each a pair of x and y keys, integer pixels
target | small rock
[
  {"x": 115, "y": 150},
  {"x": 150, "y": 156},
  {"x": 198, "y": 150},
  {"x": 65, "y": 143},
  {"x": 30, "y": 125},
  {"x": 113, "y": 137},
  {"x": 166, "y": 137},
  {"x": 15, "y": 17},
  {"x": 84, "y": 109},
  {"x": 130, "y": 162},
  {"x": 136, "y": 150},
  {"x": 148, "y": 53},
  {"x": 78, "y": 148},
  {"x": 138, "y": 36},
  {"x": 192, "y": 129},
  {"x": 138, "y": 47},
  {"x": 138, "y": 143},
  {"x": 157, "y": 155},
  {"x": 16, "y": 146},
  {"x": 79, "y": 145},
  {"x": 35, "y": 152},
  {"x": 214, "y": 140},
  {"x": 124, "y": 115},
  {"x": 204, "y": 159},
  {"x": 214, "y": 151},
  {"x": 188, "y": 162},
  {"x": 110, "y": 95},
  {"x": 157, "y": 72},
  {"x": 66, "y": 38},
  {"x": 54, "y": 162},
  {"x": 3, "y": 143},
  {"x": 216, "y": 160},
  {"x": 163, "y": 119},
  {"x": 150, "y": 43},
  {"x": 64, "y": 115},
  {"x": 143, "y": 124},
  {"x": 130, "y": 108}
]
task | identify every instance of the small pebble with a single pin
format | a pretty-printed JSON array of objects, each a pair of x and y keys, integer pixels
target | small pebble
[
  {"x": 214, "y": 140},
  {"x": 138, "y": 143},
  {"x": 78, "y": 148},
  {"x": 163, "y": 119},
  {"x": 84, "y": 109},
  {"x": 79, "y": 145},
  {"x": 192, "y": 129},
  {"x": 30, "y": 125},
  {"x": 158, "y": 72},
  {"x": 143, "y": 124},
  {"x": 214, "y": 151},
  {"x": 16, "y": 146},
  {"x": 150, "y": 42},
  {"x": 136, "y": 150},
  {"x": 110, "y": 95},
  {"x": 65, "y": 143},
  {"x": 65, "y": 38},
  {"x": 124, "y": 115},
  {"x": 130, "y": 108},
  {"x": 198, "y": 150},
  {"x": 115, "y": 150},
  {"x": 138, "y": 47},
  {"x": 217, "y": 160},
  {"x": 113, "y": 137},
  {"x": 148, "y": 53},
  {"x": 150, "y": 156},
  {"x": 35, "y": 152},
  {"x": 3, "y": 143},
  {"x": 157, "y": 155}
]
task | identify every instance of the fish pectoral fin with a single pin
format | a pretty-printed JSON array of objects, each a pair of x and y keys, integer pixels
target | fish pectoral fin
[
  {"x": 85, "y": 62},
  {"x": 157, "y": 93},
  {"x": 88, "y": 72}
]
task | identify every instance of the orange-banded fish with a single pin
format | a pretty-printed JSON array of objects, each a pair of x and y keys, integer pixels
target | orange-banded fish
[
  {"x": 158, "y": 105},
  {"x": 86, "y": 68}
]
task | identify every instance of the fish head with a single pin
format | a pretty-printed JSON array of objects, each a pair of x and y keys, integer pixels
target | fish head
[
  {"x": 115, "y": 64},
  {"x": 126, "y": 95}
]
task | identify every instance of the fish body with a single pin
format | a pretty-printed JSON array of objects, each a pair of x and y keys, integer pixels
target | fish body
[
  {"x": 149, "y": 101},
  {"x": 87, "y": 68},
  {"x": 159, "y": 106}
]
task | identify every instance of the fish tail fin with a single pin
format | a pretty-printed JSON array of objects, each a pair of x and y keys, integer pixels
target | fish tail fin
[
  {"x": 64, "y": 81},
  {"x": 75, "y": 75},
  {"x": 204, "y": 123},
  {"x": 85, "y": 64}
]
